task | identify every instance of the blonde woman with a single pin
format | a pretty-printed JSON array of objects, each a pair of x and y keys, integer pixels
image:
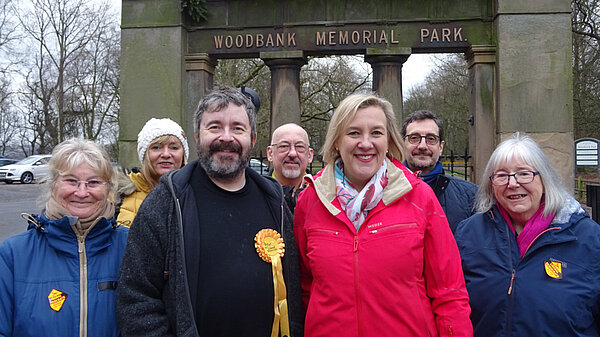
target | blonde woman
[
  {"x": 377, "y": 257},
  {"x": 162, "y": 147}
]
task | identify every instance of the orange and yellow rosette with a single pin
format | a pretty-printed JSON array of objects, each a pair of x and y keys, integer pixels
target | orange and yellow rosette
[{"x": 270, "y": 247}]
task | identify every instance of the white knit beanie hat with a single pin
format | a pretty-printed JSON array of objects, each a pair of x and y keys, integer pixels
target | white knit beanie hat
[{"x": 156, "y": 128}]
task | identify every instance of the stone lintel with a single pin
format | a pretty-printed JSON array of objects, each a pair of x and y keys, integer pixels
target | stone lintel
[
  {"x": 480, "y": 54},
  {"x": 200, "y": 62},
  {"x": 284, "y": 54},
  {"x": 391, "y": 51}
]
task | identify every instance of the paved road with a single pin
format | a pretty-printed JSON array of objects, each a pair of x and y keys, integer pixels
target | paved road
[{"x": 14, "y": 200}]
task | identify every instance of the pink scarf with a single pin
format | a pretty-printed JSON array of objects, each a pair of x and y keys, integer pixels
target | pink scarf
[
  {"x": 534, "y": 227},
  {"x": 358, "y": 204}
]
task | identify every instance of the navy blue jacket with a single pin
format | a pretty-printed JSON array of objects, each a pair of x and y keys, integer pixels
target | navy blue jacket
[
  {"x": 456, "y": 197},
  {"x": 47, "y": 257},
  {"x": 553, "y": 291}
]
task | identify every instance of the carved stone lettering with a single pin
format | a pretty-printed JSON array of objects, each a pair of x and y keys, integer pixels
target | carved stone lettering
[
  {"x": 344, "y": 37},
  {"x": 355, "y": 37},
  {"x": 443, "y": 35},
  {"x": 291, "y": 39},
  {"x": 334, "y": 38}
]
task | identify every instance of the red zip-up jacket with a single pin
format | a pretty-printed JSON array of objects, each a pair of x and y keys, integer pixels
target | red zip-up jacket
[{"x": 399, "y": 275}]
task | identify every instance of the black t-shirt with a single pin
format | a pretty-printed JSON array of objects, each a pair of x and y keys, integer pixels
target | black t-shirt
[{"x": 234, "y": 286}]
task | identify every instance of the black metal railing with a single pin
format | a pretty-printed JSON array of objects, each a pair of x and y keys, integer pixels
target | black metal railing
[{"x": 456, "y": 165}]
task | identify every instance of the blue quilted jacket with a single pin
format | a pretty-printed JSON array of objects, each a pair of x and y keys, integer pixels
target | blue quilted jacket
[
  {"x": 554, "y": 290},
  {"x": 52, "y": 284}
]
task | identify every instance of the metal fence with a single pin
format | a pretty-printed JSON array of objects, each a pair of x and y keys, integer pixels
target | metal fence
[{"x": 456, "y": 165}]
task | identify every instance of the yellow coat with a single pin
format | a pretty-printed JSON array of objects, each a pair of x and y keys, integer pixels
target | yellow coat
[{"x": 132, "y": 202}]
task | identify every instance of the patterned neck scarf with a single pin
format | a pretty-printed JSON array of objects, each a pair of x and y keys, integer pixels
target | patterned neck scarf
[{"x": 358, "y": 204}]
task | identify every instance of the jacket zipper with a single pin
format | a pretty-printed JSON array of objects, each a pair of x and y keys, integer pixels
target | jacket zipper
[
  {"x": 328, "y": 231},
  {"x": 511, "y": 283},
  {"x": 356, "y": 286},
  {"x": 83, "y": 310},
  {"x": 179, "y": 216},
  {"x": 510, "y": 286},
  {"x": 512, "y": 278},
  {"x": 400, "y": 225},
  {"x": 535, "y": 239}
]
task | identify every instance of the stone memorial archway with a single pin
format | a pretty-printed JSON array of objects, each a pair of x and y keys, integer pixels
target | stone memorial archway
[{"x": 518, "y": 52}]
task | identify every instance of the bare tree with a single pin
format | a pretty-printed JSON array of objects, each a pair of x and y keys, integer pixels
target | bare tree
[
  {"x": 324, "y": 82},
  {"x": 444, "y": 92},
  {"x": 8, "y": 37},
  {"x": 62, "y": 33},
  {"x": 93, "y": 101},
  {"x": 585, "y": 22}
]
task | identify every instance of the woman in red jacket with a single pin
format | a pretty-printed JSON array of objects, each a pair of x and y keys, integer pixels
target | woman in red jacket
[{"x": 377, "y": 257}]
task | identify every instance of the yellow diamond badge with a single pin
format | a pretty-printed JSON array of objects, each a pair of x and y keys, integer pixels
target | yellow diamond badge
[{"x": 57, "y": 299}]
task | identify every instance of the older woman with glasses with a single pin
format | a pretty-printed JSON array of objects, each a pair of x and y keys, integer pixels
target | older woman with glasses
[
  {"x": 59, "y": 277},
  {"x": 377, "y": 257},
  {"x": 530, "y": 254}
]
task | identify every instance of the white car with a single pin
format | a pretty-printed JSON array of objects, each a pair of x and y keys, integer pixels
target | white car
[
  {"x": 27, "y": 170},
  {"x": 259, "y": 167}
]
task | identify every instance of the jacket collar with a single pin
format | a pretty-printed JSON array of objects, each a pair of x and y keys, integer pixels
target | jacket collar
[
  {"x": 62, "y": 237},
  {"x": 559, "y": 231},
  {"x": 140, "y": 182},
  {"x": 324, "y": 183}
]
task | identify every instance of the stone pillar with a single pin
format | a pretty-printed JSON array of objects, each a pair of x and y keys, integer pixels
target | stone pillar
[
  {"x": 482, "y": 131},
  {"x": 387, "y": 75},
  {"x": 534, "y": 76},
  {"x": 285, "y": 86},
  {"x": 200, "y": 70},
  {"x": 153, "y": 41}
]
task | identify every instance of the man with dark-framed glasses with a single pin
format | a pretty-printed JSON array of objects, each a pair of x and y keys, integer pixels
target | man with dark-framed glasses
[
  {"x": 422, "y": 133},
  {"x": 290, "y": 154}
]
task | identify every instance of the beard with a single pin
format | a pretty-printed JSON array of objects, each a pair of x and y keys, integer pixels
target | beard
[
  {"x": 421, "y": 165},
  {"x": 292, "y": 173},
  {"x": 223, "y": 168}
]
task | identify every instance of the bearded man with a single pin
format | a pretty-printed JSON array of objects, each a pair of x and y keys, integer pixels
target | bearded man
[
  {"x": 290, "y": 154},
  {"x": 423, "y": 133},
  {"x": 203, "y": 256}
]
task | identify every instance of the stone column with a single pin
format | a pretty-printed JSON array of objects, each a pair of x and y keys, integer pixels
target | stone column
[
  {"x": 535, "y": 76},
  {"x": 200, "y": 70},
  {"x": 482, "y": 131},
  {"x": 153, "y": 41},
  {"x": 387, "y": 75},
  {"x": 285, "y": 86}
]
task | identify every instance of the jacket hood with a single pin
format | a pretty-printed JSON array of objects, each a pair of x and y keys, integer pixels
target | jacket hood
[
  {"x": 572, "y": 209},
  {"x": 399, "y": 184}
]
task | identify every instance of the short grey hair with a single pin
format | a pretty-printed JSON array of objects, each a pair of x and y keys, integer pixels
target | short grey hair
[
  {"x": 71, "y": 153},
  {"x": 219, "y": 99},
  {"x": 525, "y": 148}
]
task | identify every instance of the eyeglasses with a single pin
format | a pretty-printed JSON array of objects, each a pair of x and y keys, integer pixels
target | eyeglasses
[
  {"x": 430, "y": 138},
  {"x": 285, "y": 147},
  {"x": 92, "y": 184},
  {"x": 521, "y": 177}
]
